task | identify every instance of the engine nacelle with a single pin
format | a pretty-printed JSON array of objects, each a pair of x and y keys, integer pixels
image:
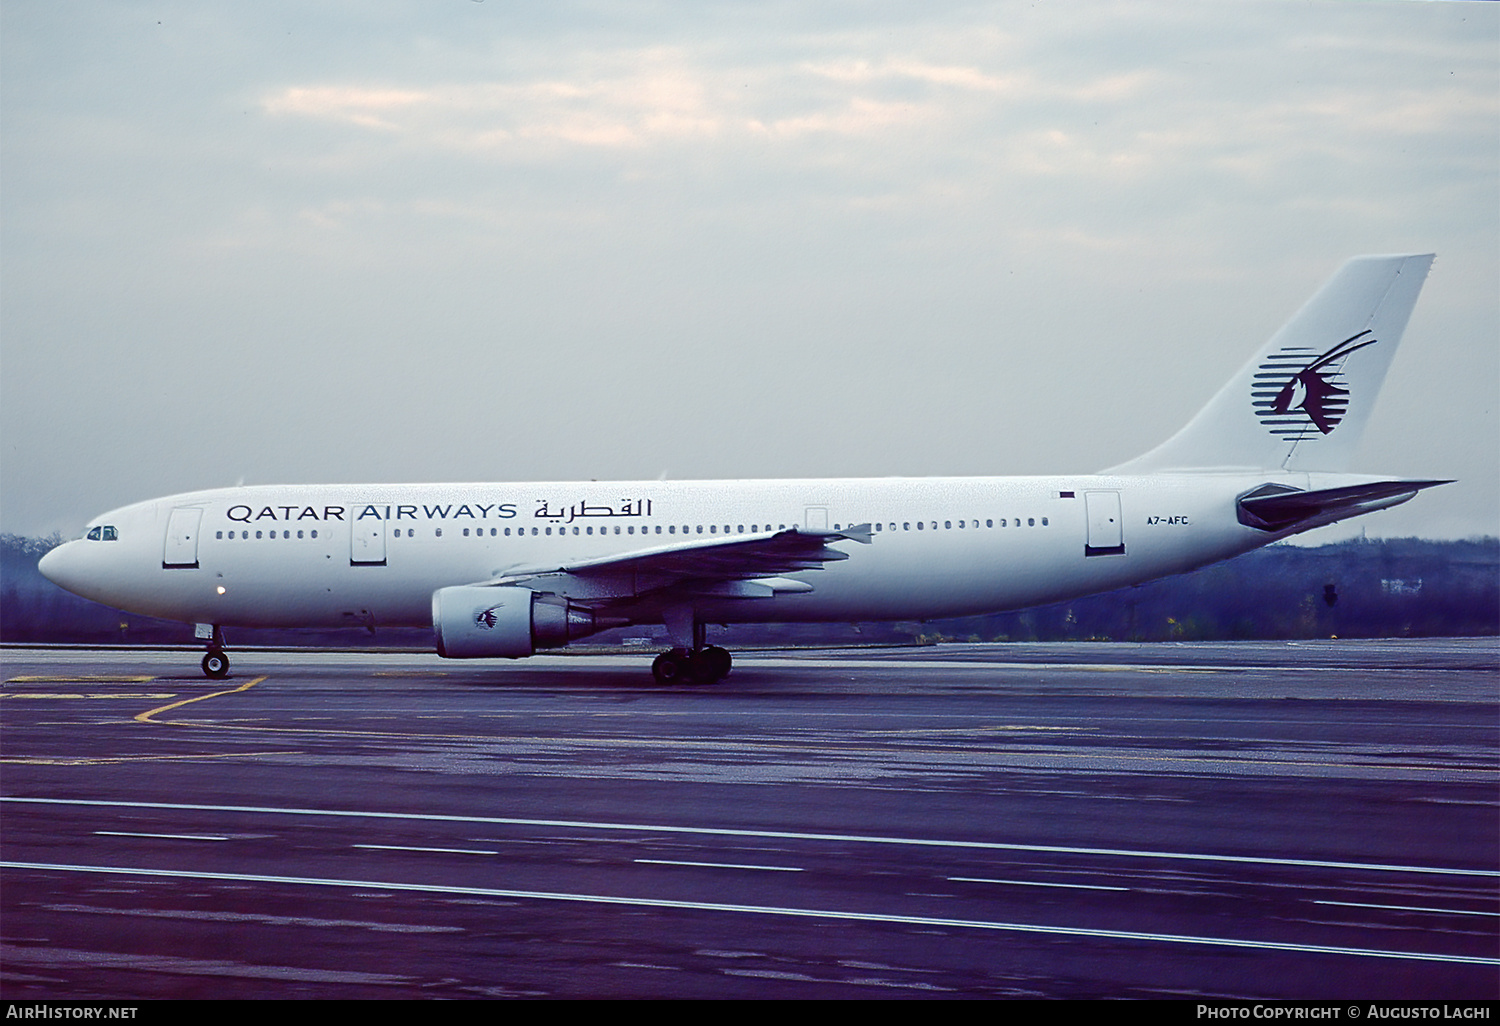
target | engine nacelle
[{"x": 474, "y": 622}]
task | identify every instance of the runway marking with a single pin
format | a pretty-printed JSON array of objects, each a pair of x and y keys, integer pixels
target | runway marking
[
  {"x": 1036, "y": 883},
  {"x": 1409, "y": 908},
  {"x": 167, "y": 837},
  {"x": 785, "y": 835},
  {"x": 445, "y": 851},
  {"x": 116, "y": 696},
  {"x": 1109, "y": 756},
  {"x": 720, "y": 865},
  {"x": 766, "y": 910},
  {"x": 110, "y": 760},
  {"x": 82, "y": 679},
  {"x": 250, "y": 917},
  {"x": 146, "y": 717}
]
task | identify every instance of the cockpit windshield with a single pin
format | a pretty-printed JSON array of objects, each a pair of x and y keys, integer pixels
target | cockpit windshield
[{"x": 104, "y": 532}]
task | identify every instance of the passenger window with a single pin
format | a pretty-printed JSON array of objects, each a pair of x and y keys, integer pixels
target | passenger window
[
  {"x": 1031, "y": 521},
  {"x": 989, "y": 523},
  {"x": 218, "y": 534}
]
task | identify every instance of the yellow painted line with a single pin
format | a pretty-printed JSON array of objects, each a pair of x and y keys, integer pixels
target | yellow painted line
[
  {"x": 37, "y": 760},
  {"x": 81, "y": 679},
  {"x": 146, "y": 717},
  {"x": 115, "y": 695}
]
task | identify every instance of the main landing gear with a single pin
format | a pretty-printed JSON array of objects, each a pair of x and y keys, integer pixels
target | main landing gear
[
  {"x": 692, "y": 666},
  {"x": 215, "y": 663},
  {"x": 693, "y": 661}
]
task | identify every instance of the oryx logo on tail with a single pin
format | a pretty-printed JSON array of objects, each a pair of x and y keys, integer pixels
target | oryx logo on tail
[{"x": 1293, "y": 394}]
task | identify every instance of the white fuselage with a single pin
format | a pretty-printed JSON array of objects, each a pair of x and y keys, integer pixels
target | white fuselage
[{"x": 372, "y": 555}]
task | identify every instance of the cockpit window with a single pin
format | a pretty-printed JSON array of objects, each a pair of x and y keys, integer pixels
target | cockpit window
[
  {"x": 105, "y": 533},
  {"x": 94, "y": 534},
  {"x": 109, "y": 534}
]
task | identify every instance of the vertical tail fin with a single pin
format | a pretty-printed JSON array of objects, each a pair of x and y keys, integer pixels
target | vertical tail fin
[{"x": 1301, "y": 403}]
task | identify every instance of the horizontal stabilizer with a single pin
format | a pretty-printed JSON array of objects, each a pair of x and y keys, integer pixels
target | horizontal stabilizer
[{"x": 1276, "y": 507}]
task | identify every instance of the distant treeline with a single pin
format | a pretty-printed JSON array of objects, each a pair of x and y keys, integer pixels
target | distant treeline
[{"x": 1402, "y": 587}]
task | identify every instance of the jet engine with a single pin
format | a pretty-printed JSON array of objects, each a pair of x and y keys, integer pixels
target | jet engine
[{"x": 475, "y": 622}]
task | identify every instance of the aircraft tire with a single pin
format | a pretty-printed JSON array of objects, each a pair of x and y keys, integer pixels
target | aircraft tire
[
  {"x": 216, "y": 664},
  {"x": 713, "y": 664},
  {"x": 674, "y": 666}
]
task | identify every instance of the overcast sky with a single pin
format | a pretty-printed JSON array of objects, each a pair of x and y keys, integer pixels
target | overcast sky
[{"x": 502, "y": 241}]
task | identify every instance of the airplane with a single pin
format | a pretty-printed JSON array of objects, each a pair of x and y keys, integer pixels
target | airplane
[{"x": 504, "y": 570}]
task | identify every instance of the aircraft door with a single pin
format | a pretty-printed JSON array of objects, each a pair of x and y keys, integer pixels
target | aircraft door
[
  {"x": 1106, "y": 529},
  {"x": 367, "y": 542},
  {"x": 816, "y": 518},
  {"x": 181, "y": 551}
]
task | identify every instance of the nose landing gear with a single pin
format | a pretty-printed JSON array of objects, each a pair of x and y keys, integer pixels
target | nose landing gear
[{"x": 215, "y": 663}]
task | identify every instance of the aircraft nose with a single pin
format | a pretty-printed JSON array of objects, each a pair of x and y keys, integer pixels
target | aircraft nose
[{"x": 61, "y": 566}]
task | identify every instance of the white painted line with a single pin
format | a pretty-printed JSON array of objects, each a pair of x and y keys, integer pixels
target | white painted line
[
  {"x": 1036, "y": 883},
  {"x": 767, "y": 910},
  {"x": 168, "y": 837},
  {"x": 445, "y": 851},
  {"x": 720, "y": 865},
  {"x": 1409, "y": 908},
  {"x": 785, "y": 835}
]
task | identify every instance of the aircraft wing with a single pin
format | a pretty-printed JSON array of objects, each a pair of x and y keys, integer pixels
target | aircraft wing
[{"x": 743, "y": 567}]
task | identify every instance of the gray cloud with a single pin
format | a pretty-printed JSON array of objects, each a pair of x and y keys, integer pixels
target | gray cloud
[{"x": 498, "y": 241}]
